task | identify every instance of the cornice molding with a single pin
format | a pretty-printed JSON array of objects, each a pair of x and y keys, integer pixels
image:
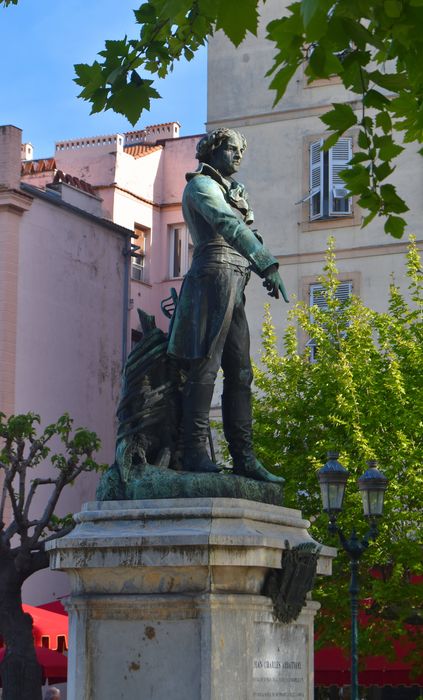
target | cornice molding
[{"x": 14, "y": 201}]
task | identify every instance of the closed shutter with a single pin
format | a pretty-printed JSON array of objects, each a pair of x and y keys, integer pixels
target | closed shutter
[
  {"x": 316, "y": 179},
  {"x": 343, "y": 292},
  {"x": 340, "y": 204}
]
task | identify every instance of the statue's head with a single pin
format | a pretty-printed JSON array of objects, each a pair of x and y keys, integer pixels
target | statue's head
[{"x": 222, "y": 149}]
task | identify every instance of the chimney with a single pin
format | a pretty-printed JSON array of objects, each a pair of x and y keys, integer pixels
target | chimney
[
  {"x": 10, "y": 157},
  {"x": 27, "y": 151}
]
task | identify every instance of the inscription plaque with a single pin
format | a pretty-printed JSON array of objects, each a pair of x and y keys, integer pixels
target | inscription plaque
[{"x": 280, "y": 662}]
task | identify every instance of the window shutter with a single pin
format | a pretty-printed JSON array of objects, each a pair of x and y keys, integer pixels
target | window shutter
[
  {"x": 316, "y": 180},
  {"x": 342, "y": 293},
  {"x": 180, "y": 251},
  {"x": 340, "y": 203}
]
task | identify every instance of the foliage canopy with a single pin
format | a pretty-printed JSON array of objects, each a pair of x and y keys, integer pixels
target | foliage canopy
[
  {"x": 363, "y": 397},
  {"x": 374, "y": 46}
]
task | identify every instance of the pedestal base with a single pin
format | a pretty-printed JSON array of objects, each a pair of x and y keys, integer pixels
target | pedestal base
[{"x": 166, "y": 602}]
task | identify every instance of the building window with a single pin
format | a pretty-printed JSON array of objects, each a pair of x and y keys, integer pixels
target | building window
[
  {"x": 328, "y": 195},
  {"x": 317, "y": 298},
  {"x": 180, "y": 250},
  {"x": 140, "y": 258}
]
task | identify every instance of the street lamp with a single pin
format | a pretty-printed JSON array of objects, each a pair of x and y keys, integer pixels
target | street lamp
[{"x": 372, "y": 486}]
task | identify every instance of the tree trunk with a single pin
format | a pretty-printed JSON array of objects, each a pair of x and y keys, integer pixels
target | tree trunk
[{"x": 20, "y": 671}]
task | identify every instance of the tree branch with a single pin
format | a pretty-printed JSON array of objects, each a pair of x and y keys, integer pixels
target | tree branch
[{"x": 35, "y": 484}]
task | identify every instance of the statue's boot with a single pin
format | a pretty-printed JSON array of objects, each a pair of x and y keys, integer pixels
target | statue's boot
[
  {"x": 237, "y": 425},
  {"x": 195, "y": 425}
]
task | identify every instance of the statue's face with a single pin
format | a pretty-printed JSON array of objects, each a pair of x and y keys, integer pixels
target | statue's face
[{"x": 227, "y": 158}]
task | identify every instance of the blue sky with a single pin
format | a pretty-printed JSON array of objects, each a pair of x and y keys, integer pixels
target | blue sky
[{"x": 41, "y": 40}]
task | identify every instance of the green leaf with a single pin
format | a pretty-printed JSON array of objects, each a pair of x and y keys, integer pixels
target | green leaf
[
  {"x": 356, "y": 178},
  {"x": 136, "y": 79},
  {"x": 359, "y": 157},
  {"x": 395, "y": 226},
  {"x": 390, "y": 81},
  {"x": 314, "y": 14},
  {"x": 353, "y": 75},
  {"x": 364, "y": 140},
  {"x": 393, "y": 201},
  {"x": 383, "y": 120},
  {"x": 370, "y": 200},
  {"x": 323, "y": 63},
  {"x": 340, "y": 118},
  {"x": 281, "y": 80},
  {"x": 387, "y": 148},
  {"x": 89, "y": 76},
  {"x": 171, "y": 9},
  {"x": 373, "y": 98},
  {"x": 145, "y": 14},
  {"x": 234, "y": 21},
  {"x": 131, "y": 100},
  {"x": 99, "y": 100},
  {"x": 367, "y": 219},
  {"x": 330, "y": 141},
  {"x": 393, "y": 8},
  {"x": 383, "y": 171}
]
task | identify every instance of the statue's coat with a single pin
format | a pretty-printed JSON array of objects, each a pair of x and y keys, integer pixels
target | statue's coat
[{"x": 216, "y": 211}]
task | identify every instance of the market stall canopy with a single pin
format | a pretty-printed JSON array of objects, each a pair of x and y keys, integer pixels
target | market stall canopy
[
  {"x": 53, "y": 664},
  {"x": 50, "y": 629},
  {"x": 332, "y": 667}
]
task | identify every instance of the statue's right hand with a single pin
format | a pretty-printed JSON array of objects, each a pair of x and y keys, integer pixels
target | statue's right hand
[{"x": 274, "y": 284}]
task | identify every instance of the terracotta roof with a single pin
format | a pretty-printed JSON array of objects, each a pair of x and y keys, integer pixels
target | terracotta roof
[
  {"x": 42, "y": 165},
  {"x": 141, "y": 149},
  {"x": 60, "y": 176}
]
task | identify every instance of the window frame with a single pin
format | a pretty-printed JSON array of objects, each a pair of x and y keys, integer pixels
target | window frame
[
  {"x": 336, "y": 220},
  {"x": 141, "y": 258},
  {"x": 313, "y": 287},
  {"x": 186, "y": 248},
  {"x": 304, "y": 289}
]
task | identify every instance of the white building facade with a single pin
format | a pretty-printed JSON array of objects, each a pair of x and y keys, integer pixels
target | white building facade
[{"x": 296, "y": 193}]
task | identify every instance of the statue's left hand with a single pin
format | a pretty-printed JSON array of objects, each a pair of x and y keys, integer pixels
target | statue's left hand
[{"x": 274, "y": 284}]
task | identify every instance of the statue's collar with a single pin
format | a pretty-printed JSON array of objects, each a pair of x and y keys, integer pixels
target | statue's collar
[
  {"x": 235, "y": 191},
  {"x": 206, "y": 169}
]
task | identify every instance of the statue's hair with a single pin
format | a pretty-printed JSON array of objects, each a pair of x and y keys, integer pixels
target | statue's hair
[{"x": 211, "y": 141}]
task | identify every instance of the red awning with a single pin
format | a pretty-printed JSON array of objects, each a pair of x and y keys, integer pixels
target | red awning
[
  {"x": 55, "y": 606},
  {"x": 54, "y": 665},
  {"x": 50, "y": 629},
  {"x": 332, "y": 667}
]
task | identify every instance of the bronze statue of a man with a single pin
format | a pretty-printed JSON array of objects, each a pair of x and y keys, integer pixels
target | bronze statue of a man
[{"x": 210, "y": 328}]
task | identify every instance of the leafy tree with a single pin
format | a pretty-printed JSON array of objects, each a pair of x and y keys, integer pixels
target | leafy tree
[
  {"x": 374, "y": 46},
  {"x": 363, "y": 397},
  {"x": 23, "y": 534}
]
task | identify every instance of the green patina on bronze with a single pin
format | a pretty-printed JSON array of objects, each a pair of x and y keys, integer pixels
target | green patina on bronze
[
  {"x": 160, "y": 482},
  {"x": 168, "y": 380},
  {"x": 147, "y": 447}
]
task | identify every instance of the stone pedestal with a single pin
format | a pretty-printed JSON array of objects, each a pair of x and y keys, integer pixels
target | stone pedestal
[{"x": 166, "y": 601}]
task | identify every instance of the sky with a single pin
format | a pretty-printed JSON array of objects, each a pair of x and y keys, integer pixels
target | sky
[{"x": 40, "y": 42}]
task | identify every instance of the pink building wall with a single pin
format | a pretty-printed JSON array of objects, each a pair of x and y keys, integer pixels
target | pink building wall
[
  {"x": 62, "y": 311},
  {"x": 140, "y": 177},
  {"x": 66, "y": 273}
]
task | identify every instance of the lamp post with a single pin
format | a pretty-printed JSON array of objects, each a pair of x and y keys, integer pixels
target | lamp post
[{"x": 372, "y": 485}]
